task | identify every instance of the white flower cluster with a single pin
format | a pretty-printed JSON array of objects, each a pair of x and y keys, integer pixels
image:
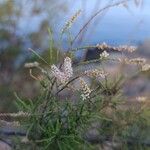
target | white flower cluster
[
  {"x": 121, "y": 48},
  {"x": 146, "y": 67},
  {"x": 12, "y": 123},
  {"x": 86, "y": 91},
  {"x": 102, "y": 46},
  {"x": 135, "y": 61},
  {"x": 138, "y": 60},
  {"x": 141, "y": 99},
  {"x": 67, "y": 67},
  {"x": 66, "y": 73},
  {"x": 18, "y": 114},
  {"x": 60, "y": 76},
  {"x": 31, "y": 65},
  {"x": 104, "y": 55},
  {"x": 127, "y": 48}
]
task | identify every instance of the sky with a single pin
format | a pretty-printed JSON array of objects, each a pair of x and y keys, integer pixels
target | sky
[{"x": 119, "y": 25}]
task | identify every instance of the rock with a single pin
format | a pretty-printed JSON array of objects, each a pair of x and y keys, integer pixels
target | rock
[
  {"x": 137, "y": 87},
  {"x": 144, "y": 48},
  {"x": 4, "y": 146}
]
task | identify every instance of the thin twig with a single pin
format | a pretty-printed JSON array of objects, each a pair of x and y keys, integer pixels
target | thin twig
[
  {"x": 66, "y": 85},
  {"x": 84, "y": 47},
  {"x": 97, "y": 13},
  {"x": 39, "y": 56}
]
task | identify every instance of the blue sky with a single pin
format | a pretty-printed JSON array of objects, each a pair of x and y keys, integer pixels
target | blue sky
[{"x": 117, "y": 26}]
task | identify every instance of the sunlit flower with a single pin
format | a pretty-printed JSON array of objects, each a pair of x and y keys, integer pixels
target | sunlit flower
[
  {"x": 86, "y": 91},
  {"x": 67, "y": 67},
  {"x": 102, "y": 46},
  {"x": 95, "y": 73},
  {"x": 141, "y": 99},
  {"x": 18, "y": 114},
  {"x": 123, "y": 60},
  {"x": 25, "y": 140},
  {"x": 126, "y": 48},
  {"x": 31, "y": 65},
  {"x": 145, "y": 67},
  {"x": 135, "y": 61},
  {"x": 104, "y": 55},
  {"x": 138, "y": 60},
  {"x": 66, "y": 73},
  {"x": 58, "y": 74},
  {"x": 70, "y": 21},
  {"x": 122, "y": 48}
]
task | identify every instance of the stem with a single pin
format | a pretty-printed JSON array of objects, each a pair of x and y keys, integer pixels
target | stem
[
  {"x": 97, "y": 13},
  {"x": 79, "y": 116},
  {"x": 66, "y": 85},
  {"x": 49, "y": 94},
  {"x": 87, "y": 62},
  {"x": 39, "y": 56},
  {"x": 85, "y": 47}
]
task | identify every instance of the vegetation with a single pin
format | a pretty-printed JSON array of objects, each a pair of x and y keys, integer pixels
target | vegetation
[
  {"x": 54, "y": 121},
  {"x": 81, "y": 109}
]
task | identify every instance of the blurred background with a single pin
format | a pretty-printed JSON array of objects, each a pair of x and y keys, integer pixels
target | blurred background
[{"x": 24, "y": 24}]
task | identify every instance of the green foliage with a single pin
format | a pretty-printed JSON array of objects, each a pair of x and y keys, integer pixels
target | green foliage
[
  {"x": 53, "y": 120},
  {"x": 61, "y": 124}
]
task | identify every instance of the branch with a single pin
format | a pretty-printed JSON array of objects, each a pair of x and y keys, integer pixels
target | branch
[{"x": 97, "y": 13}]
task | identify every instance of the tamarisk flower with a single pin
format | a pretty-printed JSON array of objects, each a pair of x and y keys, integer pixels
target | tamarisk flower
[
  {"x": 135, "y": 61},
  {"x": 58, "y": 74},
  {"x": 67, "y": 67},
  {"x": 145, "y": 67},
  {"x": 102, "y": 46},
  {"x": 95, "y": 73},
  {"x": 86, "y": 91},
  {"x": 104, "y": 55},
  {"x": 31, "y": 65},
  {"x": 121, "y": 48},
  {"x": 138, "y": 60},
  {"x": 12, "y": 123},
  {"x": 123, "y": 60},
  {"x": 126, "y": 48},
  {"x": 141, "y": 99},
  {"x": 18, "y": 114},
  {"x": 25, "y": 140},
  {"x": 66, "y": 73},
  {"x": 70, "y": 21}
]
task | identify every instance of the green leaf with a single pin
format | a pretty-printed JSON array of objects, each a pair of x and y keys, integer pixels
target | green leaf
[{"x": 21, "y": 102}]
